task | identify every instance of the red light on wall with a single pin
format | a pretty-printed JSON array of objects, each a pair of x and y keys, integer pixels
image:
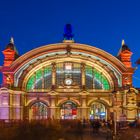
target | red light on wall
[{"x": 74, "y": 111}]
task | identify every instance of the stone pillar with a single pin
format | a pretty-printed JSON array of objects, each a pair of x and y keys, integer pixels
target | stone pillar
[
  {"x": 117, "y": 105},
  {"x": 53, "y": 108},
  {"x": 57, "y": 113},
  {"x": 10, "y": 106},
  {"x": 25, "y": 108},
  {"x": 4, "y": 105},
  {"x": 124, "y": 103},
  {"x": 22, "y": 106},
  {"x": 53, "y": 75},
  {"x": 131, "y": 106},
  {"x": 27, "y": 113},
  {"x": 84, "y": 109},
  {"x": 83, "y": 75},
  {"x": 79, "y": 112},
  {"x": 15, "y": 104},
  {"x": 54, "y": 112}
]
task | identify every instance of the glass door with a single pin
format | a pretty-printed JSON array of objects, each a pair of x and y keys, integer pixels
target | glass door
[
  {"x": 97, "y": 111},
  {"x": 38, "y": 111},
  {"x": 68, "y": 110}
]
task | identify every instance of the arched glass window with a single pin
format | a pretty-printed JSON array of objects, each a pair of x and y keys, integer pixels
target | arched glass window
[
  {"x": 38, "y": 111},
  {"x": 95, "y": 79},
  {"x": 41, "y": 79},
  {"x": 68, "y": 74}
]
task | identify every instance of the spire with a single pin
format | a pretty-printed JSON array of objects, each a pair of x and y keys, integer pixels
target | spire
[
  {"x": 11, "y": 47},
  {"x": 123, "y": 48},
  {"x": 123, "y": 42},
  {"x": 68, "y": 35},
  {"x": 12, "y": 40}
]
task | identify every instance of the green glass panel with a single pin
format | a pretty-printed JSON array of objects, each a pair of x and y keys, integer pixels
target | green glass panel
[
  {"x": 38, "y": 74},
  {"x": 38, "y": 78},
  {"x": 89, "y": 70},
  {"x": 30, "y": 82},
  {"x": 100, "y": 80},
  {"x": 47, "y": 77},
  {"x": 47, "y": 70}
]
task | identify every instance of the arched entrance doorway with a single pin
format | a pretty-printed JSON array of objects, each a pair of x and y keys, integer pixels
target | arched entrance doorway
[
  {"x": 98, "y": 111},
  {"x": 38, "y": 111},
  {"x": 68, "y": 110}
]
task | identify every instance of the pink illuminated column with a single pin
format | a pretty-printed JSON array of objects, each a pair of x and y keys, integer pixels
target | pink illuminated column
[{"x": 4, "y": 104}]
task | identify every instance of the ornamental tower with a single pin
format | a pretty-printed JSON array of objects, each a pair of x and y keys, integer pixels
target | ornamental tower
[
  {"x": 124, "y": 56},
  {"x": 10, "y": 53}
]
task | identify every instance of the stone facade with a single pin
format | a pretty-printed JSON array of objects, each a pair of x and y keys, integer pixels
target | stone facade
[{"x": 68, "y": 81}]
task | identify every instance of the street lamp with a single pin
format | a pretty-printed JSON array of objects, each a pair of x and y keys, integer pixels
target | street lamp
[{"x": 114, "y": 115}]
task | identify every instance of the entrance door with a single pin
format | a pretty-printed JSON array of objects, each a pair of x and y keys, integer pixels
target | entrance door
[
  {"x": 38, "y": 111},
  {"x": 97, "y": 111},
  {"x": 68, "y": 110}
]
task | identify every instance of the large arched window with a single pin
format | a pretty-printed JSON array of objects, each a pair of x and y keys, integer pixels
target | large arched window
[
  {"x": 41, "y": 79},
  {"x": 96, "y": 79},
  {"x": 68, "y": 74}
]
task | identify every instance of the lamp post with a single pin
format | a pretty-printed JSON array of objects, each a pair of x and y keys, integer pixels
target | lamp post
[{"x": 114, "y": 116}]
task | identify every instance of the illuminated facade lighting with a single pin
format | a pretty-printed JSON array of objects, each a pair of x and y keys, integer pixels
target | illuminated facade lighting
[{"x": 54, "y": 81}]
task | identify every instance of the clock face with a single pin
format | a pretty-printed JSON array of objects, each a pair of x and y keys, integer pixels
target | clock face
[{"x": 68, "y": 81}]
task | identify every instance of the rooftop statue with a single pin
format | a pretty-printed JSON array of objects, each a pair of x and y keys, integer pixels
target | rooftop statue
[{"x": 68, "y": 32}]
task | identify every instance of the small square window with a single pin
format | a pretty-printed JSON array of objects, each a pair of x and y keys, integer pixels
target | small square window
[{"x": 68, "y": 66}]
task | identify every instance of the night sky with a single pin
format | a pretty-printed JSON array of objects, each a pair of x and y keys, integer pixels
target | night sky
[{"x": 100, "y": 23}]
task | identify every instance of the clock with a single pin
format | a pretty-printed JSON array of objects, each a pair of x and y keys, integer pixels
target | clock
[{"x": 68, "y": 81}]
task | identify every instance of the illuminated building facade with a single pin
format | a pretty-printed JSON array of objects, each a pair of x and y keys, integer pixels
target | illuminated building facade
[{"x": 67, "y": 80}]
